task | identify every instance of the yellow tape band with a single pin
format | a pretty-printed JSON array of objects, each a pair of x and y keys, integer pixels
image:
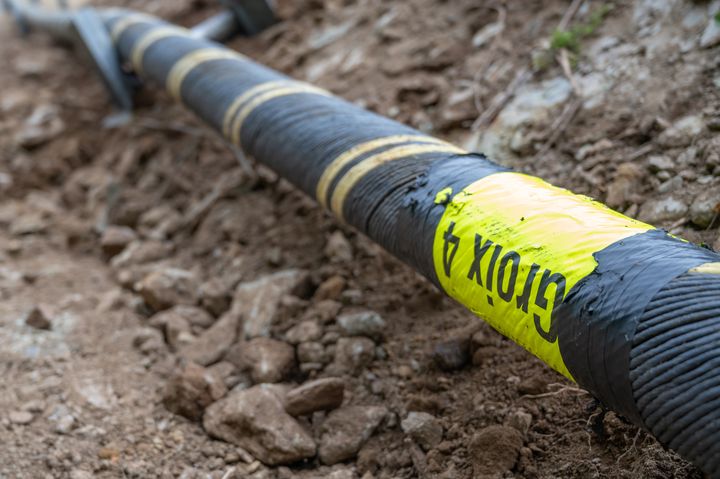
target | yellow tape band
[
  {"x": 321, "y": 192},
  {"x": 147, "y": 40},
  {"x": 248, "y": 108},
  {"x": 510, "y": 247},
  {"x": 354, "y": 174},
  {"x": 126, "y": 22},
  {"x": 186, "y": 64},
  {"x": 241, "y": 99}
]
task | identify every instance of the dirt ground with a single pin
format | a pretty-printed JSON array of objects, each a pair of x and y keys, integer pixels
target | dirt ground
[{"x": 110, "y": 229}]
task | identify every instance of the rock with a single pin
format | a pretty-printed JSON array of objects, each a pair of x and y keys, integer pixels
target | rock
[
  {"x": 115, "y": 239},
  {"x": 215, "y": 296},
  {"x": 487, "y": 33},
  {"x": 168, "y": 287},
  {"x": 257, "y": 302},
  {"x": 452, "y": 354},
  {"x": 61, "y": 418},
  {"x": 424, "y": 428},
  {"x": 353, "y": 354},
  {"x": 267, "y": 360},
  {"x": 660, "y": 163},
  {"x": 312, "y": 352},
  {"x": 706, "y": 207},
  {"x": 20, "y": 417},
  {"x": 494, "y": 450},
  {"x": 303, "y": 332},
  {"x": 148, "y": 340},
  {"x": 211, "y": 345},
  {"x": 331, "y": 288},
  {"x": 318, "y": 395},
  {"x": 682, "y": 132},
  {"x": 711, "y": 35},
  {"x": 255, "y": 420},
  {"x": 43, "y": 125},
  {"x": 80, "y": 474},
  {"x": 181, "y": 319},
  {"x": 178, "y": 332},
  {"x": 532, "y": 386},
  {"x": 346, "y": 430},
  {"x": 625, "y": 183},
  {"x": 520, "y": 420},
  {"x": 338, "y": 248},
  {"x": 191, "y": 389},
  {"x": 140, "y": 252},
  {"x": 365, "y": 323},
  {"x": 660, "y": 210},
  {"x": 37, "y": 319}
]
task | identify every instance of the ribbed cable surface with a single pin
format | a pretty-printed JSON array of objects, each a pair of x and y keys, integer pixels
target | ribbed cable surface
[{"x": 675, "y": 368}]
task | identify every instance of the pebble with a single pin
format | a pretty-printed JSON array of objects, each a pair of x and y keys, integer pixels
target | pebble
[
  {"x": 533, "y": 385},
  {"x": 423, "y": 428},
  {"x": 215, "y": 296},
  {"x": 338, "y": 248},
  {"x": 20, "y": 417},
  {"x": 80, "y": 474},
  {"x": 178, "y": 332},
  {"x": 191, "y": 389},
  {"x": 346, "y": 430},
  {"x": 706, "y": 207},
  {"x": 37, "y": 319},
  {"x": 168, "y": 287},
  {"x": 682, "y": 132},
  {"x": 452, "y": 355},
  {"x": 257, "y": 302},
  {"x": 115, "y": 239},
  {"x": 255, "y": 420},
  {"x": 331, "y": 288},
  {"x": 494, "y": 450},
  {"x": 312, "y": 352},
  {"x": 303, "y": 332},
  {"x": 148, "y": 340},
  {"x": 660, "y": 163},
  {"x": 267, "y": 360},
  {"x": 364, "y": 323},
  {"x": 353, "y": 354},
  {"x": 661, "y": 210},
  {"x": 41, "y": 126},
  {"x": 711, "y": 35},
  {"x": 318, "y": 395},
  {"x": 212, "y": 344},
  {"x": 520, "y": 420}
]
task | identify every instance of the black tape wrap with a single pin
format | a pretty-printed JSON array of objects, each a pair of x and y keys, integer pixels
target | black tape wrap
[{"x": 639, "y": 332}]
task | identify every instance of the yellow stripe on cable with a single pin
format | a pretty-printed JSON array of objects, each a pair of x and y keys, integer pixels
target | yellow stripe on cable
[
  {"x": 186, "y": 64},
  {"x": 321, "y": 192},
  {"x": 147, "y": 40},
  {"x": 128, "y": 21},
  {"x": 246, "y": 110},
  {"x": 357, "y": 172},
  {"x": 241, "y": 99}
]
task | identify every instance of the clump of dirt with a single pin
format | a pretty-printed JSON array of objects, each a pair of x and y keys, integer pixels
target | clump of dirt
[{"x": 200, "y": 319}]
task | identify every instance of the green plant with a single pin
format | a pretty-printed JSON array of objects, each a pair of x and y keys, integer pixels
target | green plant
[{"x": 571, "y": 38}]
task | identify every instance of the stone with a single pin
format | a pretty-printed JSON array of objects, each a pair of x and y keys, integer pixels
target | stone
[
  {"x": 705, "y": 208},
  {"x": 257, "y": 302},
  {"x": 625, "y": 183},
  {"x": 660, "y": 163},
  {"x": 661, "y": 210},
  {"x": 215, "y": 296},
  {"x": 191, "y": 389},
  {"x": 532, "y": 386},
  {"x": 191, "y": 316},
  {"x": 255, "y": 420},
  {"x": 178, "y": 332},
  {"x": 423, "y": 428},
  {"x": 140, "y": 252},
  {"x": 115, "y": 239},
  {"x": 331, "y": 288},
  {"x": 303, "y": 332},
  {"x": 494, "y": 450},
  {"x": 520, "y": 420},
  {"x": 37, "y": 319},
  {"x": 452, "y": 355},
  {"x": 338, "y": 248},
  {"x": 212, "y": 344},
  {"x": 364, "y": 323},
  {"x": 43, "y": 125},
  {"x": 312, "y": 352},
  {"x": 711, "y": 35},
  {"x": 354, "y": 354},
  {"x": 20, "y": 417},
  {"x": 346, "y": 430},
  {"x": 148, "y": 340},
  {"x": 319, "y": 395},
  {"x": 168, "y": 287},
  {"x": 267, "y": 360},
  {"x": 682, "y": 132}
]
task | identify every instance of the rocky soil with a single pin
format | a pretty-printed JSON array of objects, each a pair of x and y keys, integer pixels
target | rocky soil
[{"x": 167, "y": 310}]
